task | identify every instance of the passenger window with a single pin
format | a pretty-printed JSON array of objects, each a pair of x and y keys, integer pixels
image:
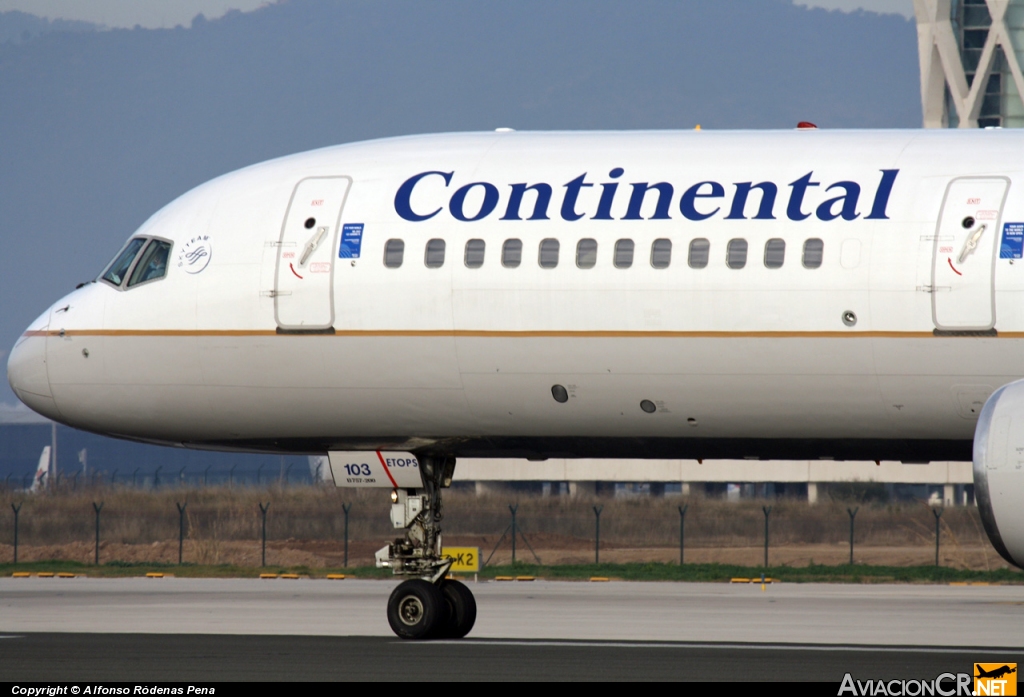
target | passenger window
[
  {"x": 774, "y": 253},
  {"x": 586, "y": 253},
  {"x": 394, "y": 252},
  {"x": 661, "y": 253},
  {"x": 433, "y": 256},
  {"x": 511, "y": 253},
  {"x": 548, "y": 257},
  {"x": 736, "y": 253},
  {"x": 623, "y": 254},
  {"x": 699, "y": 253},
  {"x": 475, "y": 254},
  {"x": 813, "y": 249},
  {"x": 700, "y": 250},
  {"x": 152, "y": 263},
  {"x": 117, "y": 270}
]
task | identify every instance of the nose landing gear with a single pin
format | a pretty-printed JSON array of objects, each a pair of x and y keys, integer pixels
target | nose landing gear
[
  {"x": 430, "y": 606},
  {"x": 419, "y": 609}
]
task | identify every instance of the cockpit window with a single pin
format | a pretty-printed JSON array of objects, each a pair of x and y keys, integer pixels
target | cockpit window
[
  {"x": 119, "y": 268},
  {"x": 152, "y": 263}
]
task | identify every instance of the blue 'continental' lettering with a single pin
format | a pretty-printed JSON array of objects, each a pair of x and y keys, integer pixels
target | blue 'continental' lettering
[{"x": 647, "y": 201}]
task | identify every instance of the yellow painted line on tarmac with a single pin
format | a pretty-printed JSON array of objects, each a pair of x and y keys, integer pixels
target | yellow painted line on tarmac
[
  {"x": 21, "y": 574},
  {"x": 335, "y": 577},
  {"x": 526, "y": 578},
  {"x": 599, "y": 579},
  {"x": 268, "y": 575},
  {"x": 291, "y": 576},
  {"x": 45, "y": 574},
  {"x": 65, "y": 574},
  {"x": 739, "y": 580},
  {"x": 154, "y": 574},
  {"x": 504, "y": 578}
]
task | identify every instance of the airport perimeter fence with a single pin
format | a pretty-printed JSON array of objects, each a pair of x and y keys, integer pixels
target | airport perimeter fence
[
  {"x": 313, "y": 526},
  {"x": 166, "y": 478}
]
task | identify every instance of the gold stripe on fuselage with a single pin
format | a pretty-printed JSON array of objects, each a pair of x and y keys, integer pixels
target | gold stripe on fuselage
[{"x": 540, "y": 334}]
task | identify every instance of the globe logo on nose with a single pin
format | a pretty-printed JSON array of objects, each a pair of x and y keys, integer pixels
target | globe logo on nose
[{"x": 195, "y": 254}]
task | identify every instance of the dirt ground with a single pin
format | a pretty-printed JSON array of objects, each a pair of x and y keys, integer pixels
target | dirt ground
[{"x": 549, "y": 549}]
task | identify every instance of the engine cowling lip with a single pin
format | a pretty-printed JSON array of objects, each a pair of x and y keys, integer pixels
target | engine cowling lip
[{"x": 982, "y": 495}]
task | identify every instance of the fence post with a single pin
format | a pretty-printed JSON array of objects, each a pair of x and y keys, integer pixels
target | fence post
[
  {"x": 156, "y": 477},
  {"x": 682, "y": 531},
  {"x": 263, "y": 510},
  {"x": 231, "y": 477},
  {"x": 767, "y": 512},
  {"x": 113, "y": 478},
  {"x": 134, "y": 476},
  {"x": 853, "y": 514},
  {"x": 97, "y": 508},
  {"x": 206, "y": 473},
  {"x": 597, "y": 534},
  {"x": 181, "y": 528},
  {"x": 259, "y": 475},
  {"x": 514, "y": 533},
  {"x": 937, "y": 512},
  {"x": 17, "y": 510},
  {"x": 181, "y": 477},
  {"x": 346, "y": 507}
]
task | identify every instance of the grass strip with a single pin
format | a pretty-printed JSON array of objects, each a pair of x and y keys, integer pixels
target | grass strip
[{"x": 817, "y": 573}]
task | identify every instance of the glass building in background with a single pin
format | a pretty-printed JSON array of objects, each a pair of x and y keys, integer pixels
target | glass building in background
[{"x": 970, "y": 53}]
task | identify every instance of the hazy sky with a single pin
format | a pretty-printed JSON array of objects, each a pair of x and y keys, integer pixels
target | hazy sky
[{"x": 169, "y": 13}]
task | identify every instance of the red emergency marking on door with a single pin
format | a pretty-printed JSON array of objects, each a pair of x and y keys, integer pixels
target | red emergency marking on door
[
  {"x": 294, "y": 271},
  {"x": 987, "y": 215},
  {"x": 320, "y": 267},
  {"x": 317, "y": 202},
  {"x": 973, "y": 201},
  {"x": 953, "y": 267},
  {"x": 945, "y": 250}
]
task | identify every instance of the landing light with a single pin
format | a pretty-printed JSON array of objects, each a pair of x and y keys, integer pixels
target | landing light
[{"x": 394, "y": 496}]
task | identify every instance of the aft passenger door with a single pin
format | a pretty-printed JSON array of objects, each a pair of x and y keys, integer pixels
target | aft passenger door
[
  {"x": 304, "y": 279},
  {"x": 964, "y": 253}
]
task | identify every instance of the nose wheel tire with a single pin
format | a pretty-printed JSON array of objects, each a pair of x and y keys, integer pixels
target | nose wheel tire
[
  {"x": 416, "y": 609},
  {"x": 461, "y": 609}
]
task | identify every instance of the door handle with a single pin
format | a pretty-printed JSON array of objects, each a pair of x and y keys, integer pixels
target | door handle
[{"x": 314, "y": 242}]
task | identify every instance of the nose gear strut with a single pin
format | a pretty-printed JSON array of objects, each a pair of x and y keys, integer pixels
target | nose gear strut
[{"x": 427, "y": 605}]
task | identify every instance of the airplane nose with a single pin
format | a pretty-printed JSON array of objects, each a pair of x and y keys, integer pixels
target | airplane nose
[{"x": 26, "y": 371}]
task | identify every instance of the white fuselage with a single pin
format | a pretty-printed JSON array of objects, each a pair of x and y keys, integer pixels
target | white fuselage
[{"x": 268, "y": 332}]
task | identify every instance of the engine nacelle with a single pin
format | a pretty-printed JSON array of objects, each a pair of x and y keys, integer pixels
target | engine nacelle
[{"x": 999, "y": 470}]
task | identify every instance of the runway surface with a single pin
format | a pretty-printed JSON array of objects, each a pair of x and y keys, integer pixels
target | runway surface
[
  {"x": 138, "y": 658},
  {"x": 203, "y": 629}
]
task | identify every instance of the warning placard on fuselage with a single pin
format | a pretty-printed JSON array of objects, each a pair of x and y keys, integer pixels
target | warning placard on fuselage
[
  {"x": 375, "y": 468},
  {"x": 1012, "y": 244}
]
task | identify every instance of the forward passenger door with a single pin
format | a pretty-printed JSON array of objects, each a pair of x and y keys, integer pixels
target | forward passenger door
[{"x": 304, "y": 277}]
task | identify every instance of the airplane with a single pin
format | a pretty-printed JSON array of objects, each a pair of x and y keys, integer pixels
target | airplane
[
  {"x": 995, "y": 672},
  {"x": 42, "y": 476},
  {"x": 400, "y": 303}
]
